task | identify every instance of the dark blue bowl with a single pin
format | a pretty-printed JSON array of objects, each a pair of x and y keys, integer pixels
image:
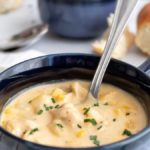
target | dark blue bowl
[
  {"x": 75, "y": 66},
  {"x": 76, "y": 18}
]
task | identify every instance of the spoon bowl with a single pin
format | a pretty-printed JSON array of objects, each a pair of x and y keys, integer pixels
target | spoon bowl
[{"x": 24, "y": 38}]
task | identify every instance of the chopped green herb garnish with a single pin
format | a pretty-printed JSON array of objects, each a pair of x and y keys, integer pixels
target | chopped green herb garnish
[
  {"x": 47, "y": 108},
  {"x": 33, "y": 130},
  {"x": 50, "y": 107},
  {"x": 58, "y": 106},
  {"x": 59, "y": 125},
  {"x": 79, "y": 126},
  {"x": 114, "y": 119},
  {"x": 53, "y": 100},
  {"x": 127, "y": 132},
  {"x": 91, "y": 120},
  {"x": 86, "y": 110},
  {"x": 96, "y": 104},
  {"x": 40, "y": 112},
  {"x": 94, "y": 139},
  {"x": 106, "y": 104},
  {"x": 99, "y": 127},
  {"x": 127, "y": 114}
]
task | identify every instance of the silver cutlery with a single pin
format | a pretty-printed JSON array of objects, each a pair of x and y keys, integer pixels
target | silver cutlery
[
  {"x": 124, "y": 10},
  {"x": 24, "y": 38}
]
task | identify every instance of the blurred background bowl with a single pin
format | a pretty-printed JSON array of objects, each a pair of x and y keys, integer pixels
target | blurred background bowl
[{"x": 76, "y": 18}]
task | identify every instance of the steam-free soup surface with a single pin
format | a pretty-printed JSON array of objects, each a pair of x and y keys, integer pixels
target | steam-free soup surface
[{"x": 58, "y": 115}]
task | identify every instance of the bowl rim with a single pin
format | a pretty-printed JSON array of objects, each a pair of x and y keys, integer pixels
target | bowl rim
[{"x": 120, "y": 143}]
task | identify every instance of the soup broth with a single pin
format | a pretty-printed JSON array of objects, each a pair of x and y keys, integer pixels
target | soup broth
[{"x": 58, "y": 114}]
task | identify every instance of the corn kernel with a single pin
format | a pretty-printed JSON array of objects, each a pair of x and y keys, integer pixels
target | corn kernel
[
  {"x": 3, "y": 124},
  {"x": 126, "y": 107},
  {"x": 8, "y": 111},
  {"x": 117, "y": 111},
  {"x": 58, "y": 94},
  {"x": 80, "y": 134},
  {"x": 102, "y": 97},
  {"x": 55, "y": 131},
  {"x": 9, "y": 126},
  {"x": 60, "y": 97},
  {"x": 130, "y": 124}
]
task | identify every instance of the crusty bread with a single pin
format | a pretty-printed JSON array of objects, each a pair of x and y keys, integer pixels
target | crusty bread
[
  {"x": 143, "y": 30},
  {"x": 125, "y": 42},
  {"x": 8, "y": 5}
]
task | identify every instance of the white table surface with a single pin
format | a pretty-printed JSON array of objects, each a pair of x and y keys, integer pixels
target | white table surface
[{"x": 28, "y": 15}]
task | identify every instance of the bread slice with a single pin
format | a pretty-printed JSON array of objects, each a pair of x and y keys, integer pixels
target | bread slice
[
  {"x": 9, "y": 5},
  {"x": 125, "y": 42},
  {"x": 143, "y": 30}
]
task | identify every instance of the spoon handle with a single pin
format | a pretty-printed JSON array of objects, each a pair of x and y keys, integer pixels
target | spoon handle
[{"x": 123, "y": 11}]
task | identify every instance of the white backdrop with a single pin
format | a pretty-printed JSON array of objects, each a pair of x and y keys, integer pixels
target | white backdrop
[{"x": 28, "y": 15}]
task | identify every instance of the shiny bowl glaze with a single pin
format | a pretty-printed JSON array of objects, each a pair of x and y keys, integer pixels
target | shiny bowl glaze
[
  {"x": 75, "y": 66},
  {"x": 76, "y": 18}
]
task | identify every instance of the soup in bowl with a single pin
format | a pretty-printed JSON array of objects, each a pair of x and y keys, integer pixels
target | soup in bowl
[
  {"x": 43, "y": 105},
  {"x": 60, "y": 114}
]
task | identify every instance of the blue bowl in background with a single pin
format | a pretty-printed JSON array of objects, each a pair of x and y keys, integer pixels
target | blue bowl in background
[{"x": 76, "y": 18}]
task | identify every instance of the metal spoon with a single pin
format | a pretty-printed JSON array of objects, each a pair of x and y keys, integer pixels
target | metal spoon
[
  {"x": 123, "y": 11},
  {"x": 24, "y": 38}
]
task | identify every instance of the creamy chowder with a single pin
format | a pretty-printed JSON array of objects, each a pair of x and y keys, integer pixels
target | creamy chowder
[{"x": 58, "y": 115}]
